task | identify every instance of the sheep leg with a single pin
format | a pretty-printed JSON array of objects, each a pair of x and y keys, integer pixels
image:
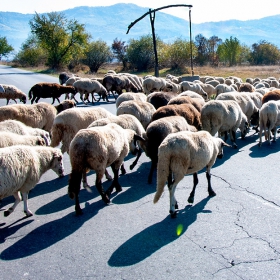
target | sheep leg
[
  {"x": 136, "y": 160},
  {"x": 195, "y": 182},
  {"x": 85, "y": 183},
  {"x": 210, "y": 190},
  {"x": 98, "y": 184},
  {"x": 233, "y": 138},
  {"x": 115, "y": 182},
  {"x": 93, "y": 98},
  {"x": 169, "y": 183},
  {"x": 153, "y": 167},
  {"x": 37, "y": 99},
  {"x": 25, "y": 203},
  {"x": 172, "y": 198},
  {"x": 17, "y": 197},
  {"x": 122, "y": 169},
  {"x": 108, "y": 176}
]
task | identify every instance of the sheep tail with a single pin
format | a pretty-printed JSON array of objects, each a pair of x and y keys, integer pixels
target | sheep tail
[
  {"x": 30, "y": 94},
  {"x": 163, "y": 170}
]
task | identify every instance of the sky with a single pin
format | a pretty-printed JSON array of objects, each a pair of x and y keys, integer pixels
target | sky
[{"x": 202, "y": 10}]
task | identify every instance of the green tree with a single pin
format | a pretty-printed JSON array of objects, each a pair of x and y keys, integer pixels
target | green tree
[
  {"x": 264, "y": 53},
  {"x": 202, "y": 47},
  {"x": 213, "y": 44},
  {"x": 58, "y": 36},
  {"x": 5, "y": 48},
  {"x": 120, "y": 52},
  {"x": 31, "y": 54},
  {"x": 98, "y": 53},
  {"x": 140, "y": 52},
  {"x": 229, "y": 51}
]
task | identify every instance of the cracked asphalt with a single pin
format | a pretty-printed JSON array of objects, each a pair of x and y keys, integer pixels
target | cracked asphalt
[{"x": 234, "y": 235}]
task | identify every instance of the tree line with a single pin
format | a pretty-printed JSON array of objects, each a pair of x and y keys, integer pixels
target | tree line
[{"x": 59, "y": 43}]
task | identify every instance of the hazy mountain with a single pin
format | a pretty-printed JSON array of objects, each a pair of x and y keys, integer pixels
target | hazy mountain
[{"x": 108, "y": 23}]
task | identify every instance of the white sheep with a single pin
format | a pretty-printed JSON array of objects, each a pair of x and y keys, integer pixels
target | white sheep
[
  {"x": 151, "y": 84},
  {"x": 224, "y": 116},
  {"x": 193, "y": 87},
  {"x": 269, "y": 120},
  {"x": 22, "y": 129},
  {"x": 209, "y": 89},
  {"x": 39, "y": 115},
  {"x": 221, "y": 88},
  {"x": 143, "y": 111},
  {"x": 11, "y": 92},
  {"x": 191, "y": 94},
  {"x": 182, "y": 153},
  {"x": 96, "y": 148},
  {"x": 130, "y": 96},
  {"x": 8, "y": 139},
  {"x": 21, "y": 168},
  {"x": 69, "y": 122}
]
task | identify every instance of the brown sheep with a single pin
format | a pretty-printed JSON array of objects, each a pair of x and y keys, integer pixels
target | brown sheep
[
  {"x": 271, "y": 95},
  {"x": 65, "y": 104},
  {"x": 49, "y": 90},
  {"x": 188, "y": 111},
  {"x": 159, "y": 99},
  {"x": 196, "y": 102},
  {"x": 246, "y": 87}
]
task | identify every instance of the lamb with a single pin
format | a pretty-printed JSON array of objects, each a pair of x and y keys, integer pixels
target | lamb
[
  {"x": 188, "y": 111},
  {"x": 21, "y": 168},
  {"x": 8, "y": 139},
  {"x": 221, "y": 88},
  {"x": 159, "y": 99},
  {"x": 130, "y": 96},
  {"x": 182, "y": 153},
  {"x": 86, "y": 86},
  {"x": 40, "y": 115},
  {"x": 193, "y": 87},
  {"x": 152, "y": 84},
  {"x": 20, "y": 128},
  {"x": 156, "y": 132},
  {"x": 48, "y": 90},
  {"x": 269, "y": 120},
  {"x": 96, "y": 148},
  {"x": 143, "y": 111},
  {"x": 69, "y": 122},
  {"x": 11, "y": 92},
  {"x": 224, "y": 116}
]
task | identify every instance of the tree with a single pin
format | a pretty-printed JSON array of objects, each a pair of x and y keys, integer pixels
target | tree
[
  {"x": 31, "y": 54},
  {"x": 58, "y": 36},
  {"x": 229, "y": 51},
  {"x": 264, "y": 53},
  {"x": 201, "y": 44},
  {"x": 140, "y": 53},
  {"x": 98, "y": 53},
  {"x": 213, "y": 43},
  {"x": 5, "y": 48},
  {"x": 120, "y": 52}
]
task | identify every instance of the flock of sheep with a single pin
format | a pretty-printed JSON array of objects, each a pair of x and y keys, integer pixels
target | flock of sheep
[{"x": 181, "y": 126}]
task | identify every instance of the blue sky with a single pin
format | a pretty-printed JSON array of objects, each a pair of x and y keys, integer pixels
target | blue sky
[{"x": 202, "y": 11}]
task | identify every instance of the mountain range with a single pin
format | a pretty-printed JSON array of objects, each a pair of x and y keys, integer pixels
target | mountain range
[{"x": 110, "y": 22}]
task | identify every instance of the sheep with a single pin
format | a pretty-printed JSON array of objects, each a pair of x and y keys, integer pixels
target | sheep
[
  {"x": 156, "y": 132},
  {"x": 221, "y": 80},
  {"x": 269, "y": 120},
  {"x": 224, "y": 116},
  {"x": 21, "y": 168},
  {"x": 193, "y": 87},
  {"x": 137, "y": 81},
  {"x": 130, "y": 96},
  {"x": 271, "y": 95},
  {"x": 209, "y": 89},
  {"x": 143, "y": 111},
  {"x": 191, "y": 94},
  {"x": 48, "y": 90},
  {"x": 8, "y": 139},
  {"x": 213, "y": 83},
  {"x": 64, "y": 77},
  {"x": 246, "y": 87},
  {"x": 126, "y": 121},
  {"x": 12, "y": 92},
  {"x": 40, "y": 115},
  {"x": 159, "y": 99},
  {"x": 69, "y": 122},
  {"x": 152, "y": 84},
  {"x": 96, "y": 148},
  {"x": 249, "y": 80},
  {"x": 196, "y": 102},
  {"x": 182, "y": 153},
  {"x": 221, "y": 88},
  {"x": 64, "y": 105},
  {"x": 20, "y": 128},
  {"x": 86, "y": 86},
  {"x": 188, "y": 111}
]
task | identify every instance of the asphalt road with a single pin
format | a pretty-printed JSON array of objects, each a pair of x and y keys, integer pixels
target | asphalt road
[{"x": 234, "y": 235}]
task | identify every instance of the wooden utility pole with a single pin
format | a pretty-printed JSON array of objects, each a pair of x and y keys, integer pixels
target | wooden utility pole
[{"x": 152, "y": 14}]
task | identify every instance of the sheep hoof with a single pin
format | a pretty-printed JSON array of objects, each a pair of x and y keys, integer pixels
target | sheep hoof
[
  {"x": 106, "y": 198},
  {"x": 212, "y": 193},
  {"x": 7, "y": 213},
  {"x": 28, "y": 213},
  {"x": 79, "y": 212},
  {"x": 173, "y": 214},
  {"x": 190, "y": 199},
  {"x": 131, "y": 166}
]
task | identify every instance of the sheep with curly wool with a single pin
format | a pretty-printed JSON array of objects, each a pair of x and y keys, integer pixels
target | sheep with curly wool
[
  {"x": 8, "y": 139},
  {"x": 156, "y": 133},
  {"x": 96, "y": 148},
  {"x": 21, "y": 168},
  {"x": 20, "y": 128},
  {"x": 69, "y": 122},
  {"x": 183, "y": 153},
  {"x": 140, "y": 96},
  {"x": 39, "y": 115},
  {"x": 11, "y": 92},
  {"x": 143, "y": 111},
  {"x": 224, "y": 116}
]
